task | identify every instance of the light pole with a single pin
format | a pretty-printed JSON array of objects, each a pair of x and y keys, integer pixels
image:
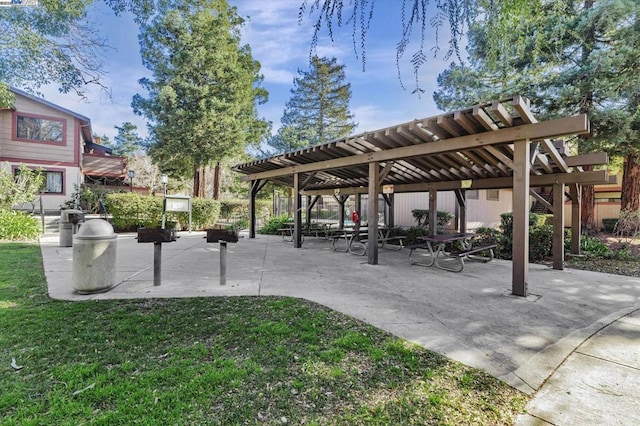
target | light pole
[
  {"x": 164, "y": 179},
  {"x": 131, "y": 174}
]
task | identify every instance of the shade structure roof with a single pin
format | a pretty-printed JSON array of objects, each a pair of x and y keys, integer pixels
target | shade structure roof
[{"x": 469, "y": 148}]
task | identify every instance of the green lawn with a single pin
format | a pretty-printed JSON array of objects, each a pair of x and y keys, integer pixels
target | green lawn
[{"x": 240, "y": 360}]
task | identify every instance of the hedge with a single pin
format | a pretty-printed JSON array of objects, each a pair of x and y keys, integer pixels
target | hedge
[{"x": 130, "y": 211}]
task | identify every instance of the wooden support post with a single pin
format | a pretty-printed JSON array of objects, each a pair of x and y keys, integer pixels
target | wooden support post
[
  {"x": 390, "y": 219},
  {"x": 461, "y": 198},
  {"x": 341, "y": 199},
  {"x": 358, "y": 206},
  {"x": 520, "y": 251},
  {"x": 372, "y": 214},
  {"x": 576, "y": 219},
  {"x": 255, "y": 185},
  {"x": 297, "y": 212},
  {"x": 307, "y": 218},
  {"x": 433, "y": 212},
  {"x": 558, "y": 226},
  {"x": 223, "y": 262}
]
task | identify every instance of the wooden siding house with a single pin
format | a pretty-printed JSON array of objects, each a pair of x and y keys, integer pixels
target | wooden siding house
[{"x": 43, "y": 135}]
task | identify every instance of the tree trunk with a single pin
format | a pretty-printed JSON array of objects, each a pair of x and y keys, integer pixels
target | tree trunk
[
  {"x": 630, "y": 199},
  {"x": 216, "y": 181},
  {"x": 196, "y": 182},
  {"x": 203, "y": 185},
  {"x": 587, "y": 208}
]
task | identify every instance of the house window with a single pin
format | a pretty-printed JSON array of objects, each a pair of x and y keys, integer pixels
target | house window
[
  {"x": 472, "y": 194},
  {"x": 39, "y": 129},
  {"x": 493, "y": 194},
  {"x": 53, "y": 184}
]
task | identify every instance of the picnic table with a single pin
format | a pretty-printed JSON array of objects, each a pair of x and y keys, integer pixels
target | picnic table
[
  {"x": 356, "y": 239},
  {"x": 312, "y": 229},
  {"x": 452, "y": 260}
]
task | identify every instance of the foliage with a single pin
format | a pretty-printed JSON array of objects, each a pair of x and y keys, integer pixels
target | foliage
[
  {"x": 127, "y": 142},
  {"x": 413, "y": 233},
  {"x": 131, "y": 211},
  {"x": 16, "y": 225},
  {"x": 204, "y": 86},
  {"x": 88, "y": 198},
  {"x": 20, "y": 188},
  {"x": 586, "y": 64},
  {"x": 422, "y": 218},
  {"x": 609, "y": 224},
  {"x": 230, "y": 209},
  {"x": 52, "y": 43},
  {"x": 318, "y": 110},
  {"x": 504, "y": 19},
  {"x": 540, "y": 237},
  {"x": 628, "y": 225},
  {"x": 204, "y": 214},
  {"x": 275, "y": 223}
]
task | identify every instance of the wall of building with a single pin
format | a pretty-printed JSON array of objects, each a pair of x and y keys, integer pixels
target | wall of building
[{"x": 480, "y": 212}]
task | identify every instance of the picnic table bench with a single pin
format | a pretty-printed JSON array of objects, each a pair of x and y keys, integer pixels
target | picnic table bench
[{"x": 452, "y": 260}]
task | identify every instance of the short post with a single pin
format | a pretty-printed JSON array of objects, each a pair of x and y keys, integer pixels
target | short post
[
  {"x": 157, "y": 263},
  {"x": 223, "y": 262}
]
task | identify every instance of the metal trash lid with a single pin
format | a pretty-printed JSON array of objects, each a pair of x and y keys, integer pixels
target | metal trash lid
[{"x": 95, "y": 229}]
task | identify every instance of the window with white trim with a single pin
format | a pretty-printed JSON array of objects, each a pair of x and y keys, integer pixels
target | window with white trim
[{"x": 53, "y": 183}]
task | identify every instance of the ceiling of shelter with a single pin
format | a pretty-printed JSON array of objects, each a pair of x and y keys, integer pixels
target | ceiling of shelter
[{"x": 473, "y": 145}]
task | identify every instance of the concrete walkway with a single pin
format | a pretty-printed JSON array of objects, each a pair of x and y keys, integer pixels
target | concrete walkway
[{"x": 574, "y": 343}]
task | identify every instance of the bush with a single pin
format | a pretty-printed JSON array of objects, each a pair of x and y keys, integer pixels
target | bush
[
  {"x": 422, "y": 217},
  {"x": 204, "y": 214},
  {"x": 608, "y": 225},
  {"x": 540, "y": 243},
  {"x": 230, "y": 209},
  {"x": 275, "y": 223},
  {"x": 413, "y": 233},
  {"x": 131, "y": 211},
  {"x": 18, "y": 226}
]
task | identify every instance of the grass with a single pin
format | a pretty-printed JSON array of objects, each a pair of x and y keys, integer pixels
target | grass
[{"x": 242, "y": 360}]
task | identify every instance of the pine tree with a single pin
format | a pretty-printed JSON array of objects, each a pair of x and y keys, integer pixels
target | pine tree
[
  {"x": 318, "y": 110},
  {"x": 203, "y": 93}
]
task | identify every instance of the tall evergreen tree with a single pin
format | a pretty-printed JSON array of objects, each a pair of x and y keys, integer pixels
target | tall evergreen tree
[
  {"x": 591, "y": 67},
  {"x": 318, "y": 110},
  {"x": 127, "y": 142},
  {"x": 203, "y": 93}
]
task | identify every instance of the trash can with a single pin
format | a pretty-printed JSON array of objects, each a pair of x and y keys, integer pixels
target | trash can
[
  {"x": 94, "y": 257},
  {"x": 70, "y": 221}
]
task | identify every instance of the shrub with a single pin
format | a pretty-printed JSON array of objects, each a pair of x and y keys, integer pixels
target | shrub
[
  {"x": 18, "y": 226},
  {"x": 422, "y": 217},
  {"x": 131, "y": 211},
  {"x": 540, "y": 243},
  {"x": 230, "y": 209},
  {"x": 592, "y": 246},
  {"x": 413, "y": 233},
  {"x": 204, "y": 214},
  {"x": 275, "y": 223},
  {"x": 608, "y": 225}
]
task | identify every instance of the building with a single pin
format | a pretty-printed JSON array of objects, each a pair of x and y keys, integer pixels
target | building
[{"x": 43, "y": 135}]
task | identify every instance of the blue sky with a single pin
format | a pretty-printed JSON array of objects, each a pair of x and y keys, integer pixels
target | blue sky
[{"x": 282, "y": 46}]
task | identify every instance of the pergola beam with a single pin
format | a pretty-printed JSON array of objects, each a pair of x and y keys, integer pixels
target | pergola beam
[
  {"x": 575, "y": 125},
  {"x": 594, "y": 177}
]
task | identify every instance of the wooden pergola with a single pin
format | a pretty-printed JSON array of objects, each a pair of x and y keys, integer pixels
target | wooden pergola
[{"x": 490, "y": 146}]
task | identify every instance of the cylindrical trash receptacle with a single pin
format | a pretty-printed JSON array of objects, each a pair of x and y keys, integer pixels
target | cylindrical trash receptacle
[
  {"x": 94, "y": 257},
  {"x": 70, "y": 221}
]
